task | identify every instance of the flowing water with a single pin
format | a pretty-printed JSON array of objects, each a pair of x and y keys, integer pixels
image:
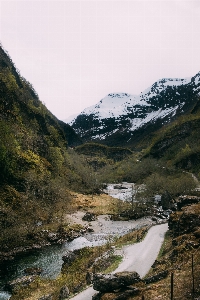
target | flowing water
[{"x": 49, "y": 259}]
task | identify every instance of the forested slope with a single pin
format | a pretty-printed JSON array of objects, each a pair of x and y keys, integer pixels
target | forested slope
[{"x": 38, "y": 168}]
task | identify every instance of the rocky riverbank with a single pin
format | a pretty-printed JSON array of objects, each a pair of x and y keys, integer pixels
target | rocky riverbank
[
  {"x": 179, "y": 252},
  {"x": 104, "y": 226},
  {"x": 46, "y": 238}
]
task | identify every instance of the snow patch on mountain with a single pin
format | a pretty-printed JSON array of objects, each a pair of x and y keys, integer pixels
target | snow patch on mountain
[
  {"x": 102, "y": 136},
  {"x": 112, "y": 106},
  {"x": 115, "y": 105},
  {"x": 125, "y": 113},
  {"x": 139, "y": 122}
]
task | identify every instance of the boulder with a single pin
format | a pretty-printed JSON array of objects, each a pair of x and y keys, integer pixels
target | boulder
[
  {"x": 156, "y": 277},
  {"x": 64, "y": 293},
  {"x": 185, "y": 221},
  {"x": 52, "y": 237},
  {"x": 89, "y": 217},
  {"x": 97, "y": 296},
  {"x": 185, "y": 200},
  {"x": 90, "y": 230},
  {"x": 69, "y": 258},
  {"x": 111, "y": 282},
  {"x": 33, "y": 271}
]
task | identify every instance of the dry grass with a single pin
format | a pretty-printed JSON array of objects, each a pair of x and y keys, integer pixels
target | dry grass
[{"x": 99, "y": 204}]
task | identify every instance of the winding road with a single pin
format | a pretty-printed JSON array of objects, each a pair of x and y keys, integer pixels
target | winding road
[{"x": 137, "y": 257}]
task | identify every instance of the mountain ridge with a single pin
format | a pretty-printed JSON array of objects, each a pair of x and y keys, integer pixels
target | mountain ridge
[{"x": 122, "y": 114}]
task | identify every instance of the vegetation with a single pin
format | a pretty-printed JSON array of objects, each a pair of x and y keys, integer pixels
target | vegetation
[
  {"x": 45, "y": 166},
  {"x": 37, "y": 167},
  {"x": 89, "y": 259}
]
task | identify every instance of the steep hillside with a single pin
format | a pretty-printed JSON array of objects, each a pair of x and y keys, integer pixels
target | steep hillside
[
  {"x": 178, "y": 143},
  {"x": 123, "y": 119},
  {"x": 37, "y": 168}
]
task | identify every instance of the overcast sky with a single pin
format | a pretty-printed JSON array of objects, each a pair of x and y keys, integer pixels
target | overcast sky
[{"x": 76, "y": 52}]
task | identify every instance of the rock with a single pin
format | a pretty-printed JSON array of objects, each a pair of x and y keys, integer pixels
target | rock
[
  {"x": 128, "y": 293},
  {"x": 128, "y": 278},
  {"x": 46, "y": 297},
  {"x": 52, "y": 237},
  {"x": 185, "y": 221},
  {"x": 187, "y": 200},
  {"x": 97, "y": 296},
  {"x": 166, "y": 200},
  {"x": 154, "y": 219},
  {"x": 111, "y": 282},
  {"x": 89, "y": 277},
  {"x": 64, "y": 293},
  {"x": 197, "y": 232},
  {"x": 33, "y": 271},
  {"x": 78, "y": 288},
  {"x": 156, "y": 277},
  {"x": 90, "y": 230},
  {"x": 89, "y": 217},
  {"x": 69, "y": 258},
  {"x": 19, "y": 282}
]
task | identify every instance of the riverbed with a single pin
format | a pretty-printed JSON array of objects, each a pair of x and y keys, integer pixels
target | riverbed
[{"x": 50, "y": 258}]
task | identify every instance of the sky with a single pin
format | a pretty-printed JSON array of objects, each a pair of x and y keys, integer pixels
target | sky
[{"x": 76, "y": 52}]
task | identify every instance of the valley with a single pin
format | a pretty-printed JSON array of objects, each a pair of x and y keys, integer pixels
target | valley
[{"x": 142, "y": 147}]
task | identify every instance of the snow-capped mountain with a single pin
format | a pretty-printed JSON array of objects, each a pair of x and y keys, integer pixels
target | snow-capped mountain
[{"x": 121, "y": 115}]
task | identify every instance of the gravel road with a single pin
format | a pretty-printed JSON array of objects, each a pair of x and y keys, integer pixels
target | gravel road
[{"x": 138, "y": 257}]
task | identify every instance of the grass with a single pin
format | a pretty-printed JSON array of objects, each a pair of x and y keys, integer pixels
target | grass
[
  {"x": 98, "y": 204},
  {"x": 115, "y": 261},
  {"x": 177, "y": 260},
  {"x": 175, "y": 256},
  {"x": 132, "y": 237},
  {"x": 74, "y": 276}
]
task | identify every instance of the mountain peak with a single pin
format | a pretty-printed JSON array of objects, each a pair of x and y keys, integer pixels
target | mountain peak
[
  {"x": 123, "y": 114},
  {"x": 118, "y": 95}
]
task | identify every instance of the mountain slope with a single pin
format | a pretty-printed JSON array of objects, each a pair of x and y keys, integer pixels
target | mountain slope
[
  {"x": 178, "y": 142},
  {"x": 35, "y": 163},
  {"x": 123, "y": 119}
]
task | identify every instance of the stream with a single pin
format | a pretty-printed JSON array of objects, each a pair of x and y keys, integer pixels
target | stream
[{"x": 49, "y": 259}]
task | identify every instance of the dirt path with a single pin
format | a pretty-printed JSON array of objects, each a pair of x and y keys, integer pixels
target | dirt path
[{"x": 138, "y": 257}]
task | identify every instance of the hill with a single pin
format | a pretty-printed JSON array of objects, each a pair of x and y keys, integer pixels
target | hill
[
  {"x": 37, "y": 165},
  {"x": 178, "y": 142}
]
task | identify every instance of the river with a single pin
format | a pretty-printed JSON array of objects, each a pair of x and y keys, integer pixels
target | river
[{"x": 50, "y": 258}]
